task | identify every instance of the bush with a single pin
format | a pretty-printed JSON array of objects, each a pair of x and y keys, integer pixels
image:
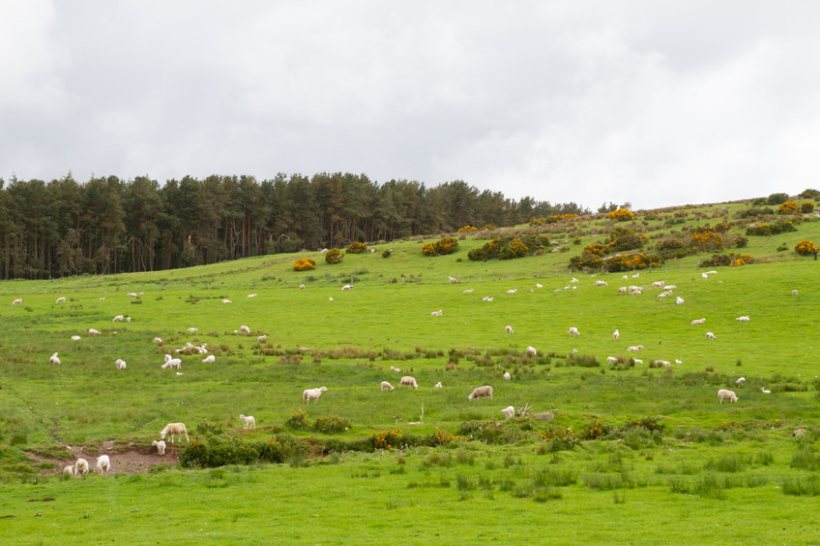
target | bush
[
  {"x": 806, "y": 207},
  {"x": 514, "y": 249},
  {"x": 673, "y": 247},
  {"x": 706, "y": 240},
  {"x": 806, "y": 248},
  {"x": 304, "y": 264},
  {"x": 787, "y": 207},
  {"x": 809, "y": 194},
  {"x": 298, "y": 421},
  {"x": 624, "y": 239},
  {"x": 777, "y": 198},
  {"x": 739, "y": 241},
  {"x": 727, "y": 260},
  {"x": 631, "y": 262},
  {"x": 507, "y": 247},
  {"x": 442, "y": 247},
  {"x": 357, "y": 247},
  {"x": 763, "y": 229},
  {"x": 387, "y": 253},
  {"x": 465, "y": 230},
  {"x": 334, "y": 256},
  {"x": 331, "y": 424},
  {"x": 621, "y": 215}
]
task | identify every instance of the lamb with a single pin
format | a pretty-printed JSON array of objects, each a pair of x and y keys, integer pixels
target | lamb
[
  {"x": 634, "y": 348},
  {"x": 704, "y": 276},
  {"x": 395, "y": 369},
  {"x": 600, "y": 283},
  {"x": 54, "y": 359},
  {"x": 740, "y": 381},
  {"x": 678, "y": 361},
  {"x": 175, "y": 429},
  {"x": 636, "y": 292},
  {"x": 469, "y": 291},
  {"x": 637, "y": 361},
  {"x": 301, "y": 286},
  {"x": 120, "y": 364},
  {"x": 794, "y": 293},
  {"x": 453, "y": 280},
  {"x": 539, "y": 285},
  {"x": 81, "y": 467},
  {"x": 508, "y": 412},
  {"x": 508, "y": 329},
  {"x": 158, "y": 340},
  {"x": 481, "y": 392},
  {"x": 103, "y": 464},
  {"x": 245, "y": 330},
  {"x": 160, "y": 445},
  {"x": 313, "y": 394},
  {"x": 68, "y": 470},
  {"x": 210, "y": 359},
  {"x": 612, "y": 359},
  {"x": 725, "y": 395},
  {"x": 658, "y": 284},
  {"x": 386, "y": 386},
  {"x": 252, "y": 295},
  {"x": 193, "y": 330},
  {"x": 171, "y": 363},
  {"x": 710, "y": 335},
  {"x": 512, "y": 291},
  {"x": 347, "y": 287},
  {"x": 764, "y": 390},
  {"x": 531, "y": 351},
  {"x": 438, "y": 386},
  {"x": 262, "y": 339},
  {"x": 660, "y": 364},
  {"x": 698, "y": 322},
  {"x": 226, "y": 300},
  {"x": 132, "y": 295},
  {"x": 118, "y": 318},
  {"x": 437, "y": 313},
  {"x": 487, "y": 298},
  {"x": 622, "y": 290},
  {"x": 248, "y": 421},
  {"x": 744, "y": 318},
  {"x": 679, "y": 300},
  {"x": 670, "y": 287},
  {"x": 573, "y": 280},
  {"x": 17, "y": 301},
  {"x": 93, "y": 332},
  {"x": 506, "y": 376},
  {"x": 616, "y": 334},
  {"x": 409, "y": 380},
  {"x": 573, "y": 331},
  {"x": 75, "y": 338},
  {"x": 59, "y": 300},
  {"x": 799, "y": 432}
]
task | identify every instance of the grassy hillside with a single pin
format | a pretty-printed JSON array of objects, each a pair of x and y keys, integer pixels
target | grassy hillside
[{"x": 634, "y": 453}]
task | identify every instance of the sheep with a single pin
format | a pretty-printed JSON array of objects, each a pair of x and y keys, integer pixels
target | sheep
[
  {"x": 665, "y": 294},
  {"x": 531, "y": 351},
  {"x": 658, "y": 284},
  {"x": 698, "y": 322},
  {"x": 437, "y": 313},
  {"x": 573, "y": 331},
  {"x": 330, "y": 298},
  {"x": 386, "y": 386},
  {"x": 81, "y": 467},
  {"x": 54, "y": 359},
  {"x": 799, "y": 432},
  {"x": 573, "y": 280},
  {"x": 679, "y": 301},
  {"x": 313, "y": 394},
  {"x": 487, "y": 298},
  {"x": 469, "y": 291},
  {"x": 347, "y": 287},
  {"x": 539, "y": 285},
  {"x": 636, "y": 275},
  {"x": 93, "y": 332},
  {"x": 210, "y": 359},
  {"x": 740, "y": 381},
  {"x": 103, "y": 464},
  {"x": 68, "y": 470},
  {"x": 634, "y": 348},
  {"x": 118, "y": 318},
  {"x": 158, "y": 340},
  {"x": 245, "y": 330},
  {"x": 438, "y": 386},
  {"x": 726, "y": 395},
  {"x": 600, "y": 283},
  {"x": 481, "y": 392},
  {"x": 794, "y": 293},
  {"x": 637, "y": 361},
  {"x": 171, "y": 363},
  {"x": 160, "y": 445},
  {"x": 616, "y": 334},
  {"x": 59, "y": 300},
  {"x": 512, "y": 291},
  {"x": 395, "y": 369},
  {"x": 744, "y": 318},
  {"x": 508, "y": 329},
  {"x": 659, "y": 364},
  {"x": 226, "y": 300},
  {"x": 678, "y": 361},
  {"x": 175, "y": 429},
  {"x": 251, "y": 295},
  {"x": 506, "y": 376},
  {"x": 324, "y": 251},
  {"x": 192, "y": 330},
  {"x": 17, "y": 301},
  {"x": 508, "y": 412},
  {"x": 75, "y": 338},
  {"x": 248, "y": 421},
  {"x": 453, "y": 280},
  {"x": 132, "y": 295},
  {"x": 622, "y": 290},
  {"x": 710, "y": 335},
  {"x": 409, "y": 380},
  {"x": 262, "y": 339},
  {"x": 670, "y": 287},
  {"x": 635, "y": 292},
  {"x": 764, "y": 390},
  {"x": 120, "y": 364},
  {"x": 612, "y": 359}
]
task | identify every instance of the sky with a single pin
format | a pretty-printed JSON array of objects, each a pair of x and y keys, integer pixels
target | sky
[{"x": 654, "y": 103}]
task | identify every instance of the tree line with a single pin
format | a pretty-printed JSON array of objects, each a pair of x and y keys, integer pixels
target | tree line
[{"x": 109, "y": 225}]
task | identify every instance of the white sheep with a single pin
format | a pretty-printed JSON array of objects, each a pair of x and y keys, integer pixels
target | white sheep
[
  {"x": 764, "y": 390},
  {"x": 81, "y": 467},
  {"x": 697, "y": 322},
  {"x": 710, "y": 335},
  {"x": 248, "y": 421},
  {"x": 508, "y": 329},
  {"x": 725, "y": 395},
  {"x": 658, "y": 284},
  {"x": 616, "y": 334},
  {"x": 68, "y": 470},
  {"x": 539, "y": 285},
  {"x": 678, "y": 361},
  {"x": 252, "y": 295},
  {"x": 395, "y": 369},
  {"x": 313, "y": 394},
  {"x": 573, "y": 331},
  {"x": 487, "y": 298},
  {"x": 481, "y": 392},
  {"x": 506, "y": 376},
  {"x": 438, "y": 385},
  {"x": 679, "y": 300},
  {"x": 409, "y": 380},
  {"x": 301, "y": 286},
  {"x": 118, "y": 318},
  {"x": 171, "y": 362},
  {"x": 75, "y": 338},
  {"x": 622, "y": 290},
  {"x": 437, "y": 313},
  {"x": 262, "y": 339},
  {"x": 17, "y": 301},
  {"x": 612, "y": 359},
  {"x": 794, "y": 293},
  {"x": 600, "y": 283},
  {"x": 512, "y": 291},
  {"x": 226, "y": 300},
  {"x": 658, "y": 363},
  {"x": 158, "y": 340},
  {"x": 469, "y": 291},
  {"x": 120, "y": 364},
  {"x": 508, "y": 412},
  {"x": 386, "y": 386},
  {"x": 453, "y": 280},
  {"x": 637, "y": 361},
  {"x": 670, "y": 287},
  {"x": 160, "y": 445},
  {"x": 192, "y": 330},
  {"x": 93, "y": 332},
  {"x": 704, "y": 276},
  {"x": 210, "y": 359},
  {"x": 635, "y": 292},
  {"x": 132, "y": 295},
  {"x": 175, "y": 429},
  {"x": 244, "y": 330},
  {"x": 54, "y": 359},
  {"x": 61, "y": 299},
  {"x": 744, "y": 318},
  {"x": 573, "y": 280},
  {"x": 634, "y": 348},
  {"x": 347, "y": 287},
  {"x": 740, "y": 381},
  {"x": 103, "y": 464},
  {"x": 531, "y": 351}
]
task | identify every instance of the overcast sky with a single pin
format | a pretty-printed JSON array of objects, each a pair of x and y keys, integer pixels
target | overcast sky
[{"x": 656, "y": 103}]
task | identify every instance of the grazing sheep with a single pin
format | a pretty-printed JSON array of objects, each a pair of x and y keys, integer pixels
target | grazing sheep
[
  {"x": 248, "y": 421},
  {"x": 262, "y": 339},
  {"x": 313, "y": 394},
  {"x": 395, "y": 369},
  {"x": 453, "y": 280},
  {"x": 697, "y": 322},
  {"x": 573, "y": 331},
  {"x": 93, "y": 332},
  {"x": 118, "y": 318},
  {"x": 120, "y": 364},
  {"x": 508, "y": 412},
  {"x": 573, "y": 280},
  {"x": 330, "y": 298},
  {"x": 347, "y": 287},
  {"x": 61, "y": 299},
  {"x": 160, "y": 445},
  {"x": 612, "y": 359},
  {"x": 531, "y": 351},
  {"x": 678, "y": 361},
  {"x": 437, "y": 313},
  {"x": 740, "y": 381},
  {"x": 799, "y": 432},
  {"x": 658, "y": 284},
  {"x": 81, "y": 467},
  {"x": 512, "y": 291},
  {"x": 171, "y": 363},
  {"x": 725, "y": 395},
  {"x": 245, "y": 330},
  {"x": 600, "y": 283},
  {"x": 634, "y": 348},
  {"x": 103, "y": 464},
  {"x": 506, "y": 376},
  {"x": 508, "y": 329},
  {"x": 192, "y": 330},
  {"x": 132, "y": 295},
  {"x": 679, "y": 300},
  {"x": 744, "y": 318},
  {"x": 670, "y": 287},
  {"x": 539, "y": 285},
  {"x": 438, "y": 385},
  {"x": 54, "y": 359},
  {"x": 158, "y": 340},
  {"x": 616, "y": 334},
  {"x": 68, "y": 470},
  {"x": 659, "y": 364},
  {"x": 637, "y": 361},
  {"x": 301, "y": 286},
  {"x": 251, "y": 295},
  {"x": 710, "y": 335},
  {"x": 794, "y": 293},
  {"x": 210, "y": 359},
  {"x": 75, "y": 338},
  {"x": 175, "y": 429},
  {"x": 487, "y": 298},
  {"x": 17, "y": 301},
  {"x": 665, "y": 294},
  {"x": 635, "y": 292},
  {"x": 481, "y": 392},
  {"x": 226, "y": 300},
  {"x": 764, "y": 390},
  {"x": 409, "y": 380},
  {"x": 469, "y": 291},
  {"x": 386, "y": 386},
  {"x": 622, "y": 290}
]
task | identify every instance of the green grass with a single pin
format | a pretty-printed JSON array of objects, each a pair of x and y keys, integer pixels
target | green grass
[{"x": 635, "y": 455}]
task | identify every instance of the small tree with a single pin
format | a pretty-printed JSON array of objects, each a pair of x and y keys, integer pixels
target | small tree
[{"x": 334, "y": 256}]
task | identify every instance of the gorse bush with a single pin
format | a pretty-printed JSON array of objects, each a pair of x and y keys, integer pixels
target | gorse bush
[
  {"x": 806, "y": 248},
  {"x": 442, "y": 247},
  {"x": 765, "y": 229},
  {"x": 727, "y": 260},
  {"x": 334, "y": 256},
  {"x": 304, "y": 264},
  {"x": 357, "y": 247},
  {"x": 331, "y": 424},
  {"x": 621, "y": 215},
  {"x": 787, "y": 207},
  {"x": 508, "y": 247}
]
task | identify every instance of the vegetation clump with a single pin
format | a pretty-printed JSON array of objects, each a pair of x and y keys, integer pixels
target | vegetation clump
[
  {"x": 508, "y": 247},
  {"x": 806, "y": 248},
  {"x": 442, "y": 247},
  {"x": 357, "y": 247},
  {"x": 334, "y": 256},
  {"x": 621, "y": 215},
  {"x": 765, "y": 229},
  {"x": 730, "y": 259},
  {"x": 304, "y": 264}
]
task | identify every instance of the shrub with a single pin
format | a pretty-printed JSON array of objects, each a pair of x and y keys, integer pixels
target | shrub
[
  {"x": 727, "y": 259},
  {"x": 334, "y": 256},
  {"x": 673, "y": 247},
  {"x": 304, "y": 264},
  {"x": 444, "y": 246},
  {"x": 739, "y": 241},
  {"x": 787, "y": 207},
  {"x": 507, "y": 247},
  {"x": 514, "y": 249},
  {"x": 764, "y": 229},
  {"x": 806, "y": 248},
  {"x": 387, "y": 253},
  {"x": 777, "y": 198},
  {"x": 706, "y": 240},
  {"x": 298, "y": 421},
  {"x": 555, "y": 218},
  {"x": 331, "y": 424},
  {"x": 624, "y": 239},
  {"x": 806, "y": 207},
  {"x": 621, "y": 215},
  {"x": 465, "y": 230},
  {"x": 357, "y": 247},
  {"x": 809, "y": 194},
  {"x": 630, "y": 262}
]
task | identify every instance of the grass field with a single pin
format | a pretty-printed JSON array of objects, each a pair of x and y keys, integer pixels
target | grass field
[{"x": 634, "y": 454}]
